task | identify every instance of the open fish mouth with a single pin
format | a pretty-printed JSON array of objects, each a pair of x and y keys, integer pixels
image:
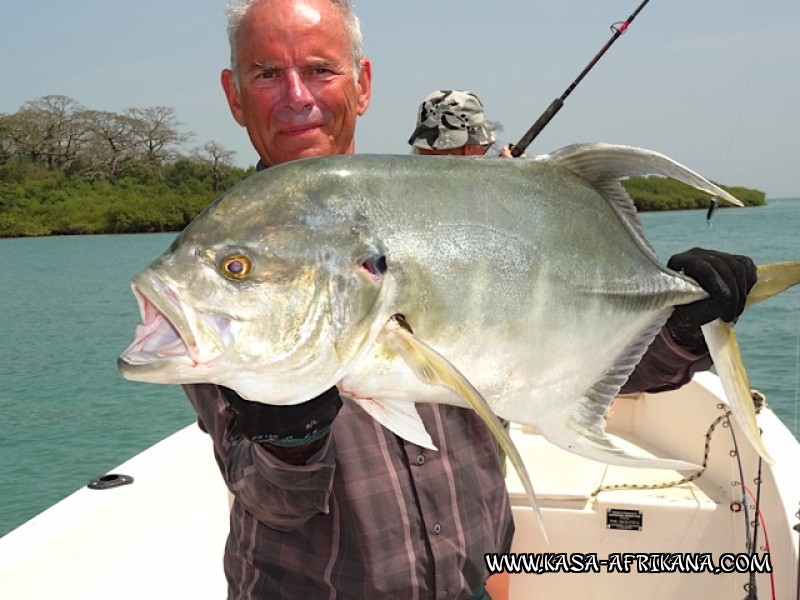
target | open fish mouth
[{"x": 171, "y": 332}]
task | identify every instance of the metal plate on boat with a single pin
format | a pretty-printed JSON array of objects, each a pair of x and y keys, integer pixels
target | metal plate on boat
[{"x": 625, "y": 520}]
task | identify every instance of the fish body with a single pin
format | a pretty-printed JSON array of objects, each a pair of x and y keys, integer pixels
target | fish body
[
  {"x": 524, "y": 289},
  {"x": 519, "y": 272}
]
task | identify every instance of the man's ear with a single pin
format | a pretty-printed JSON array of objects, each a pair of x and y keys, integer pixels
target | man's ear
[
  {"x": 364, "y": 86},
  {"x": 228, "y": 80}
]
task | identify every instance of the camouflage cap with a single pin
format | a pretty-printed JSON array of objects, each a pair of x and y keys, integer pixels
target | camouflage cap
[{"x": 450, "y": 119}]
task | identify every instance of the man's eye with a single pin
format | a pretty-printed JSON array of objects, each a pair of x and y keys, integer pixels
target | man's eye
[{"x": 321, "y": 72}]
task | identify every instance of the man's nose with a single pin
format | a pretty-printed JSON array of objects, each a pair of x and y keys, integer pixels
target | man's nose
[{"x": 297, "y": 91}]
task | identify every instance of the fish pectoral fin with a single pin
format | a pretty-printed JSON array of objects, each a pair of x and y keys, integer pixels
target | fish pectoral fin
[
  {"x": 721, "y": 341},
  {"x": 773, "y": 279},
  {"x": 581, "y": 430},
  {"x": 432, "y": 368},
  {"x": 399, "y": 417}
]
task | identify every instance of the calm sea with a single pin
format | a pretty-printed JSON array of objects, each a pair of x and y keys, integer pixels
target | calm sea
[{"x": 67, "y": 416}]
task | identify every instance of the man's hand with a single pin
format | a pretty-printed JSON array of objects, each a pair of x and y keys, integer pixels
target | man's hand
[
  {"x": 505, "y": 152},
  {"x": 726, "y": 277},
  {"x": 285, "y": 427}
]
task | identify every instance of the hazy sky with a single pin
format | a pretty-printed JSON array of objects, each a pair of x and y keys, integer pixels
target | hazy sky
[{"x": 713, "y": 84}]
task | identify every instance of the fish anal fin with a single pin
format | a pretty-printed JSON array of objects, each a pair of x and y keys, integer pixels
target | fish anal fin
[
  {"x": 432, "y": 368},
  {"x": 581, "y": 430}
]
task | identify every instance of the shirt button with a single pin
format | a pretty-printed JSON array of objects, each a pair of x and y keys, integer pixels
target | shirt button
[
  {"x": 420, "y": 460},
  {"x": 437, "y": 529}
]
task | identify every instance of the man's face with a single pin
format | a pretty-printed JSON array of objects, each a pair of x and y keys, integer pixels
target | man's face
[{"x": 298, "y": 94}]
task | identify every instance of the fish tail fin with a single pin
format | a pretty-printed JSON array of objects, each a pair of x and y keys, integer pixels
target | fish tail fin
[
  {"x": 581, "y": 430},
  {"x": 773, "y": 279},
  {"x": 721, "y": 341}
]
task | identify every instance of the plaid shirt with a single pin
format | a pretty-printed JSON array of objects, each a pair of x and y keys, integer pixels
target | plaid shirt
[{"x": 371, "y": 515}]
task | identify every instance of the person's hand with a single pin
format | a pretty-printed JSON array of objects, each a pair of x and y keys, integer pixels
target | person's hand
[
  {"x": 505, "y": 152},
  {"x": 285, "y": 426},
  {"x": 726, "y": 277}
]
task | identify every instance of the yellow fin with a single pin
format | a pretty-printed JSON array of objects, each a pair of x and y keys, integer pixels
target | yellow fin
[
  {"x": 432, "y": 368},
  {"x": 721, "y": 340},
  {"x": 773, "y": 279}
]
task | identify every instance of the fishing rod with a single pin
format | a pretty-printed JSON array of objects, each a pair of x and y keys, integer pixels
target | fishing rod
[{"x": 556, "y": 105}]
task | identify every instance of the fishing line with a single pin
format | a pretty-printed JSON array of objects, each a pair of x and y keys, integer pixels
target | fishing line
[
  {"x": 745, "y": 505},
  {"x": 797, "y": 529},
  {"x": 737, "y": 123},
  {"x": 766, "y": 547},
  {"x": 757, "y": 508},
  {"x": 745, "y": 93},
  {"x": 797, "y": 380}
]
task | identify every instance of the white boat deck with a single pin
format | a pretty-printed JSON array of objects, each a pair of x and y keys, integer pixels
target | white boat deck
[
  {"x": 163, "y": 536},
  {"x": 160, "y": 537},
  {"x": 703, "y": 516}
]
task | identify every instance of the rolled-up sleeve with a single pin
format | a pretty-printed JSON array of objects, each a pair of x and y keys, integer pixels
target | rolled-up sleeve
[
  {"x": 666, "y": 366},
  {"x": 280, "y": 495}
]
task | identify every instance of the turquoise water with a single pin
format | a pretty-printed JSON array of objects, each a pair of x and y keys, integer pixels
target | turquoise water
[{"x": 67, "y": 416}]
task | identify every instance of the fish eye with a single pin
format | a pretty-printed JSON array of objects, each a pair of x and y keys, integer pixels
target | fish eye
[
  {"x": 236, "y": 266},
  {"x": 375, "y": 266}
]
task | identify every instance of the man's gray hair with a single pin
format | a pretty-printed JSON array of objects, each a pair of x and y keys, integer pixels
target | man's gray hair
[{"x": 236, "y": 12}]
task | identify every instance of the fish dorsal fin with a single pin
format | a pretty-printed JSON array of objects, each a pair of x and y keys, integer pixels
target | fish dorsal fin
[
  {"x": 604, "y": 165},
  {"x": 598, "y": 163},
  {"x": 432, "y": 368},
  {"x": 580, "y": 429}
]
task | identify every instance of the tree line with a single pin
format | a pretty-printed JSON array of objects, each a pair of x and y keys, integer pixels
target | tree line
[
  {"x": 67, "y": 169},
  {"x": 60, "y": 133},
  {"x": 660, "y": 193}
]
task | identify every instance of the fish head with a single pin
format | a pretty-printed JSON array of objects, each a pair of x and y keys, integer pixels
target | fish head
[{"x": 270, "y": 296}]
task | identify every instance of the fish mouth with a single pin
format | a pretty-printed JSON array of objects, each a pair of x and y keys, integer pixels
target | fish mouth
[{"x": 172, "y": 335}]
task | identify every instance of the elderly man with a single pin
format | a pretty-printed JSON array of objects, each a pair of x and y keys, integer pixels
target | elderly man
[{"x": 328, "y": 503}]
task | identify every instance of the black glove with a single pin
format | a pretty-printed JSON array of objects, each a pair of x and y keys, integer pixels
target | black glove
[
  {"x": 285, "y": 426},
  {"x": 726, "y": 277}
]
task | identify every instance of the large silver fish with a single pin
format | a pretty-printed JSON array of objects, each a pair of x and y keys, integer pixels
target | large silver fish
[{"x": 524, "y": 289}]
